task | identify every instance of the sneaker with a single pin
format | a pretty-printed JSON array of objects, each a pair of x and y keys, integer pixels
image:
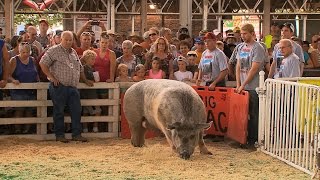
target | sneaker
[
  {"x": 85, "y": 130},
  {"x": 95, "y": 129},
  {"x": 79, "y": 138},
  {"x": 62, "y": 139}
]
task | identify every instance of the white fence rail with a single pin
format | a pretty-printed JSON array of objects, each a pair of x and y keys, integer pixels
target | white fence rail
[
  {"x": 289, "y": 122},
  {"x": 42, "y": 118}
]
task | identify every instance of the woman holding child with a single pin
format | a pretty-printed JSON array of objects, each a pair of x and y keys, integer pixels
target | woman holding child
[
  {"x": 161, "y": 51},
  {"x": 128, "y": 58}
]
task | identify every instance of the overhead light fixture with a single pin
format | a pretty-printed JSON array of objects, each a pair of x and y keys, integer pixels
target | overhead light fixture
[{"x": 152, "y": 6}]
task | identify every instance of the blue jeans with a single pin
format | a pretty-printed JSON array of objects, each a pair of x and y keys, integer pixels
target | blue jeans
[
  {"x": 253, "y": 123},
  {"x": 61, "y": 96}
]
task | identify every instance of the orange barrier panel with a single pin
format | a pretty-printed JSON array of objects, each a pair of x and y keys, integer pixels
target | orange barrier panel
[
  {"x": 217, "y": 106},
  {"x": 238, "y": 116},
  {"x": 125, "y": 131}
]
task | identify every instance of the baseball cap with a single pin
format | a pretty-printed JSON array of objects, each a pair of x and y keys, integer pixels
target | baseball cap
[
  {"x": 288, "y": 25},
  {"x": 181, "y": 58},
  {"x": 192, "y": 53},
  {"x": 22, "y": 32},
  {"x": 210, "y": 35},
  {"x": 58, "y": 33},
  {"x": 203, "y": 32},
  {"x": 236, "y": 30},
  {"x": 216, "y": 32},
  {"x": 230, "y": 35},
  {"x": 199, "y": 40},
  {"x": 44, "y": 20}
]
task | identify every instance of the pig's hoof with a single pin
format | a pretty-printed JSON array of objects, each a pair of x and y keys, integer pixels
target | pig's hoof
[
  {"x": 206, "y": 152},
  {"x": 185, "y": 155},
  {"x": 136, "y": 144}
]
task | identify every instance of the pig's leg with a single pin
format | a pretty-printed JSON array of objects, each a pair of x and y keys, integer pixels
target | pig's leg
[
  {"x": 202, "y": 146},
  {"x": 167, "y": 133},
  {"x": 137, "y": 131}
]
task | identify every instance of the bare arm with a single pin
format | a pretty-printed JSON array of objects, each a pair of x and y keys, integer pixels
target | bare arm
[
  {"x": 84, "y": 28},
  {"x": 238, "y": 74},
  {"x": 46, "y": 71},
  {"x": 85, "y": 80},
  {"x": 252, "y": 72},
  {"x": 272, "y": 69},
  {"x": 12, "y": 66},
  {"x": 5, "y": 55},
  {"x": 198, "y": 81},
  {"x": 112, "y": 66}
]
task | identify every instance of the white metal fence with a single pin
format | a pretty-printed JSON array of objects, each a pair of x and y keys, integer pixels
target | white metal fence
[
  {"x": 289, "y": 122},
  {"x": 42, "y": 119}
]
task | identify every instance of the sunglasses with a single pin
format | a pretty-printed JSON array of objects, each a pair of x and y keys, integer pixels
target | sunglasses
[
  {"x": 103, "y": 35},
  {"x": 153, "y": 34},
  {"x": 25, "y": 43},
  {"x": 194, "y": 55},
  {"x": 86, "y": 34}
]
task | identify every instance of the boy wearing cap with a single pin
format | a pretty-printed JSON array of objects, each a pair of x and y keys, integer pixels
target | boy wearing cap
[
  {"x": 250, "y": 60},
  {"x": 287, "y": 31},
  {"x": 192, "y": 66},
  {"x": 43, "y": 38},
  {"x": 213, "y": 64},
  {"x": 182, "y": 74},
  {"x": 199, "y": 48}
]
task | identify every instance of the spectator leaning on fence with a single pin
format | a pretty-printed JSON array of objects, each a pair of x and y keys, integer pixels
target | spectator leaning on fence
[
  {"x": 213, "y": 66},
  {"x": 250, "y": 60},
  {"x": 23, "y": 70},
  {"x": 63, "y": 68},
  {"x": 4, "y": 66}
]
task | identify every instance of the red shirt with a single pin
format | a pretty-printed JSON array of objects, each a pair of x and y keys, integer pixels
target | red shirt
[{"x": 102, "y": 65}]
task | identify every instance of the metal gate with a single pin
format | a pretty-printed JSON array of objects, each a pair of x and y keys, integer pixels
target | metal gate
[{"x": 289, "y": 122}]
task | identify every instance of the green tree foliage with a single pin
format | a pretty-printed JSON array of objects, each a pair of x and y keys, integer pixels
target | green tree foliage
[{"x": 52, "y": 18}]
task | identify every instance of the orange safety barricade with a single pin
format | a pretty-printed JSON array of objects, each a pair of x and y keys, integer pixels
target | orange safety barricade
[
  {"x": 238, "y": 116},
  {"x": 227, "y": 110},
  {"x": 217, "y": 106},
  {"x": 125, "y": 130}
]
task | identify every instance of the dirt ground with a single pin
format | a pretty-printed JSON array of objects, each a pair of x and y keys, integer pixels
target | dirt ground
[{"x": 117, "y": 159}]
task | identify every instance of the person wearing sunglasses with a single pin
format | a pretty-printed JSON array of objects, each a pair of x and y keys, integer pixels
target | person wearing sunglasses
[
  {"x": 23, "y": 70},
  {"x": 85, "y": 43}
]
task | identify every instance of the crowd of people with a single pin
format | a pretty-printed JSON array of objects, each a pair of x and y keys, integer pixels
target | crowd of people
[{"x": 66, "y": 58}]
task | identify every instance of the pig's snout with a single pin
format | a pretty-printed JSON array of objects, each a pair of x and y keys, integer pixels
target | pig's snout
[{"x": 185, "y": 155}]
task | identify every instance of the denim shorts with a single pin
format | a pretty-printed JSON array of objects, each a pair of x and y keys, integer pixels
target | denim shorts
[{"x": 24, "y": 97}]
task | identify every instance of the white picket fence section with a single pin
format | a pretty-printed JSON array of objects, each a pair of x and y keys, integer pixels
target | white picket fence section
[
  {"x": 42, "y": 119},
  {"x": 289, "y": 122}
]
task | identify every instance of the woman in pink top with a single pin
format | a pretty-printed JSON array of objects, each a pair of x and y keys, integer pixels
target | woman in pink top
[{"x": 155, "y": 72}]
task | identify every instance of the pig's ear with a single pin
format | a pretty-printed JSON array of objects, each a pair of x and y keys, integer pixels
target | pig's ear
[
  {"x": 204, "y": 126},
  {"x": 173, "y": 125}
]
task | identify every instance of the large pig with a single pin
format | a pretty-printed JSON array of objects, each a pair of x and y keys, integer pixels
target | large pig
[{"x": 171, "y": 106}]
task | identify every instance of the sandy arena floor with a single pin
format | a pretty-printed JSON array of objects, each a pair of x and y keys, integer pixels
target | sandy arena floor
[{"x": 117, "y": 159}]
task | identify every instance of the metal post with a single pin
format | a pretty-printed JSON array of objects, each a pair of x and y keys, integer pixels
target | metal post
[
  {"x": 143, "y": 16},
  {"x": 262, "y": 95},
  {"x": 219, "y": 25},
  {"x": 113, "y": 14},
  {"x": 205, "y": 14},
  {"x": 133, "y": 17},
  {"x": 74, "y": 16},
  {"x": 185, "y": 9},
  {"x": 305, "y": 17},
  {"x": 108, "y": 15},
  {"x": 9, "y": 14},
  {"x": 266, "y": 17}
]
